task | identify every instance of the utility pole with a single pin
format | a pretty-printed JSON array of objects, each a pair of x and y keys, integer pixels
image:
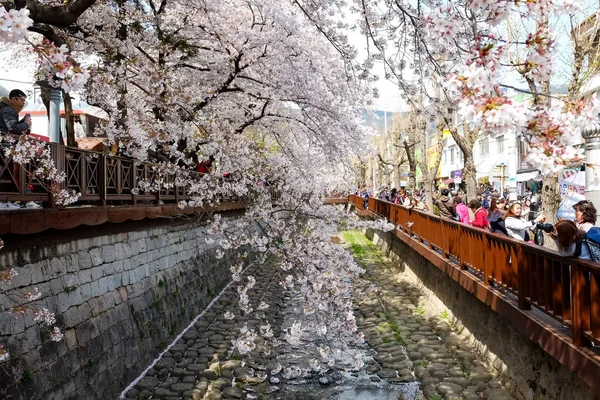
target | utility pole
[{"x": 502, "y": 166}]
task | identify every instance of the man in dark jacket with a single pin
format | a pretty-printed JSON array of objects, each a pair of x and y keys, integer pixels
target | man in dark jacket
[
  {"x": 445, "y": 205},
  {"x": 9, "y": 113}
]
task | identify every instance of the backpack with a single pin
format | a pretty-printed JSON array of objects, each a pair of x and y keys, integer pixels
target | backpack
[{"x": 592, "y": 241}]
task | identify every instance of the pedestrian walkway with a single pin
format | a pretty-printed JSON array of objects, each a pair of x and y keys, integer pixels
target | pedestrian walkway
[{"x": 408, "y": 353}]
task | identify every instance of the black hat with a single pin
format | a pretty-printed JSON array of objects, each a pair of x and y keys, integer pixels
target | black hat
[{"x": 16, "y": 93}]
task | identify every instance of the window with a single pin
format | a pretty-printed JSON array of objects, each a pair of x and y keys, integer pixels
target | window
[
  {"x": 484, "y": 146},
  {"x": 445, "y": 156},
  {"x": 500, "y": 144},
  {"x": 452, "y": 154}
]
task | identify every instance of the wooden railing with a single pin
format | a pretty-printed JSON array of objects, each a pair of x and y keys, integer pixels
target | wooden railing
[
  {"x": 565, "y": 289},
  {"x": 100, "y": 178}
]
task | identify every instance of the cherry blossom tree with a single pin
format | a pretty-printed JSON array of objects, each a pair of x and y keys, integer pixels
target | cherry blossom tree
[{"x": 258, "y": 89}]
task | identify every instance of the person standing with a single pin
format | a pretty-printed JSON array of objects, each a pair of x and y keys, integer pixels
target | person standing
[
  {"x": 515, "y": 226},
  {"x": 444, "y": 205},
  {"x": 9, "y": 113},
  {"x": 585, "y": 215},
  {"x": 462, "y": 210},
  {"x": 479, "y": 215},
  {"x": 569, "y": 240},
  {"x": 496, "y": 212}
]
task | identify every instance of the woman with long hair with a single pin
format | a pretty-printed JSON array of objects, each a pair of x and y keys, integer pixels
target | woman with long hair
[
  {"x": 515, "y": 226},
  {"x": 496, "y": 212},
  {"x": 526, "y": 208},
  {"x": 569, "y": 240}
]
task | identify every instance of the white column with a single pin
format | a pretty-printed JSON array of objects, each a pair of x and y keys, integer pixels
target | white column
[
  {"x": 592, "y": 159},
  {"x": 54, "y": 113}
]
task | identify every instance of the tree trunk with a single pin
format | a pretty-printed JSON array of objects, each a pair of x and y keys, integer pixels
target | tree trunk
[
  {"x": 428, "y": 183},
  {"x": 550, "y": 197},
  {"x": 70, "y": 120},
  {"x": 470, "y": 175},
  {"x": 397, "y": 172},
  {"x": 412, "y": 177}
]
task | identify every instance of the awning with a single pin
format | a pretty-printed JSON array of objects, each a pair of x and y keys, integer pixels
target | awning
[
  {"x": 527, "y": 176},
  {"x": 448, "y": 181}
]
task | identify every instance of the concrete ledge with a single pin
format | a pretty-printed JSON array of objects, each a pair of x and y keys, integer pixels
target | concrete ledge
[{"x": 35, "y": 221}]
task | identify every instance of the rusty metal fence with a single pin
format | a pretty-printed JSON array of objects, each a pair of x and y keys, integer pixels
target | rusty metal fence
[{"x": 565, "y": 289}]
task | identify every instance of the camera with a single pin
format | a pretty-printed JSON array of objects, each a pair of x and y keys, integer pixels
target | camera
[{"x": 548, "y": 228}]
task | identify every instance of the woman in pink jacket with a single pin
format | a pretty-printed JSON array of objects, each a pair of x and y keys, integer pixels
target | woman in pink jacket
[{"x": 462, "y": 210}]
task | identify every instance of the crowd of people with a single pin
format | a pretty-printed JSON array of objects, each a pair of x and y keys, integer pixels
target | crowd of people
[{"x": 519, "y": 218}]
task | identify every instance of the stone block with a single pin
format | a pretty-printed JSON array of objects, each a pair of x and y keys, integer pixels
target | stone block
[
  {"x": 84, "y": 260},
  {"x": 103, "y": 285},
  {"x": 86, "y": 291},
  {"x": 119, "y": 252},
  {"x": 96, "y": 256},
  {"x": 97, "y": 305},
  {"x": 123, "y": 293},
  {"x": 97, "y": 273},
  {"x": 85, "y": 276},
  {"x": 71, "y": 280},
  {"x": 118, "y": 266},
  {"x": 72, "y": 262},
  {"x": 9, "y": 324},
  {"x": 67, "y": 300},
  {"x": 95, "y": 288},
  {"x": 111, "y": 299},
  {"x": 86, "y": 331},
  {"x": 23, "y": 278},
  {"x": 59, "y": 268},
  {"x": 121, "y": 312},
  {"x": 125, "y": 278},
  {"x": 36, "y": 272},
  {"x": 70, "y": 338},
  {"x": 113, "y": 282},
  {"x": 56, "y": 286},
  {"x": 108, "y": 253},
  {"x": 76, "y": 315},
  {"x": 126, "y": 264}
]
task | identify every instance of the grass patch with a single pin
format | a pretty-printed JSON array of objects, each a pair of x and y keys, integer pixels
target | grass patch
[
  {"x": 27, "y": 376},
  {"x": 396, "y": 331},
  {"x": 362, "y": 248}
]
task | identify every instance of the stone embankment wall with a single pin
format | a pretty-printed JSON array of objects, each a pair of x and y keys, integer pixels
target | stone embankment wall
[
  {"x": 119, "y": 299},
  {"x": 525, "y": 370}
]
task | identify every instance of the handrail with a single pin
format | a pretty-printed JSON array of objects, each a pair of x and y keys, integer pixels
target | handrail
[
  {"x": 566, "y": 289},
  {"x": 99, "y": 178}
]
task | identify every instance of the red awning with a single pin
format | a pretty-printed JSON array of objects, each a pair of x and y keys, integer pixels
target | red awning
[
  {"x": 448, "y": 181},
  {"x": 39, "y": 137}
]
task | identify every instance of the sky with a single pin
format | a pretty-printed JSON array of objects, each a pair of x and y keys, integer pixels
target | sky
[{"x": 19, "y": 72}]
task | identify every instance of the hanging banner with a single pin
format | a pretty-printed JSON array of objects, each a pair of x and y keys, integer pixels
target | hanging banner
[{"x": 572, "y": 190}]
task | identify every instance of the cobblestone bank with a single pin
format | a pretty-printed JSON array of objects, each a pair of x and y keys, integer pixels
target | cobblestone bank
[
  {"x": 202, "y": 365},
  {"x": 411, "y": 352},
  {"x": 412, "y": 339},
  {"x": 526, "y": 371}
]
